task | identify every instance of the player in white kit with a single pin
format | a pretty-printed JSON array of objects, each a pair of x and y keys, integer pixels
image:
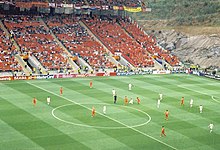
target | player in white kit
[
  {"x": 158, "y": 103},
  {"x": 113, "y": 92},
  {"x": 131, "y": 101},
  {"x": 211, "y": 127},
  {"x": 200, "y": 108},
  {"x": 48, "y": 100},
  {"x": 129, "y": 86},
  {"x": 104, "y": 109},
  {"x": 191, "y": 103},
  {"x": 160, "y": 96}
]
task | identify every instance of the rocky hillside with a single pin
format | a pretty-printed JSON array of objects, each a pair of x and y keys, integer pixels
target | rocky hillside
[
  {"x": 188, "y": 28},
  {"x": 199, "y": 49},
  {"x": 194, "y": 48}
]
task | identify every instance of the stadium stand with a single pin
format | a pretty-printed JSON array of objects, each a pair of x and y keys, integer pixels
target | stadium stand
[
  {"x": 116, "y": 40},
  {"x": 121, "y": 36},
  {"x": 7, "y": 53},
  {"x": 128, "y": 3},
  {"x": 34, "y": 39},
  {"x": 77, "y": 40},
  {"x": 47, "y": 34},
  {"x": 148, "y": 42}
]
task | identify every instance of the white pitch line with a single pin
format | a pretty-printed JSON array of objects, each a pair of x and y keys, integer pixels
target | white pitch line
[
  {"x": 199, "y": 92},
  {"x": 193, "y": 90},
  {"x": 215, "y": 99},
  {"x": 101, "y": 127},
  {"x": 190, "y": 85},
  {"x": 106, "y": 117}
]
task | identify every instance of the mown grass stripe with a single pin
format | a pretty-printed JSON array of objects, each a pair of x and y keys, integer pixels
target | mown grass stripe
[
  {"x": 29, "y": 125},
  {"x": 42, "y": 105},
  {"x": 183, "y": 126},
  {"x": 142, "y": 133}
]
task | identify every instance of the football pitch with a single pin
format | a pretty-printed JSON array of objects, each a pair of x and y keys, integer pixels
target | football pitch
[{"x": 66, "y": 123}]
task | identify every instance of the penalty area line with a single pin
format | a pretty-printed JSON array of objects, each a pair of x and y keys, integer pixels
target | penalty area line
[
  {"x": 215, "y": 99},
  {"x": 149, "y": 136},
  {"x": 199, "y": 92}
]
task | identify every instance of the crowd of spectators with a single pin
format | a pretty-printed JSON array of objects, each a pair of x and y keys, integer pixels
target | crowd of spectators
[
  {"x": 148, "y": 42},
  {"x": 110, "y": 3},
  {"x": 7, "y": 54},
  {"x": 128, "y": 3},
  {"x": 118, "y": 41},
  {"x": 78, "y": 41},
  {"x": 33, "y": 39},
  {"x": 52, "y": 1},
  {"x": 76, "y": 2},
  {"x": 121, "y": 36}
]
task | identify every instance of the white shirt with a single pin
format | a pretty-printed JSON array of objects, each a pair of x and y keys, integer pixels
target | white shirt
[
  {"x": 161, "y": 96},
  {"x": 48, "y": 99},
  {"x": 200, "y": 107},
  {"x": 191, "y": 102},
  {"x": 131, "y": 101},
  {"x": 129, "y": 85},
  {"x": 211, "y": 126},
  {"x": 158, "y": 102},
  {"x": 104, "y": 108},
  {"x": 113, "y": 92}
]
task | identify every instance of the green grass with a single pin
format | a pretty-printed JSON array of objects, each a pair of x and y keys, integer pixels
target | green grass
[
  {"x": 70, "y": 126},
  {"x": 182, "y": 12}
]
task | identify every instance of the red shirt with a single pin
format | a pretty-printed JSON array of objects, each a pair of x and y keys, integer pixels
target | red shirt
[
  {"x": 126, "y": 100},
  {"x": 138, "y": 100},
  {"x": 34, "y": 101},
  {"x": 93, "y": 111},
  {"x": 182, "y": 100},
  {"x": 163, "y": 130}
]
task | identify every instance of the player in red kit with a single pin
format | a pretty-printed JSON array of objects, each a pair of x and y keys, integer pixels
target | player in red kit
[
  {"x": 162, "y": 132},
  {"x": 166, "y": 114},
  {"x": 34, "y": 101},
  {"x": 182, "y": 101},
  {"x": 138, "y": 100},
  {"x": 93, "y": 111},
  {"x": 126, "y": 101},
  {"x": 90, "y": 84},
  {"x": 61, "y": 91}
]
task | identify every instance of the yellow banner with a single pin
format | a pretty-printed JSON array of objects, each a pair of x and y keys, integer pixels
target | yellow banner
[
  {"x": 115, "y": 8},
  {"x": 132, "y": 9}
]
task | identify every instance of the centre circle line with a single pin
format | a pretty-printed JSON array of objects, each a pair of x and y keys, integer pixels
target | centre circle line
[
  {"x": 100, "y": 127},
  {"x": 134, "y": 129}
]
